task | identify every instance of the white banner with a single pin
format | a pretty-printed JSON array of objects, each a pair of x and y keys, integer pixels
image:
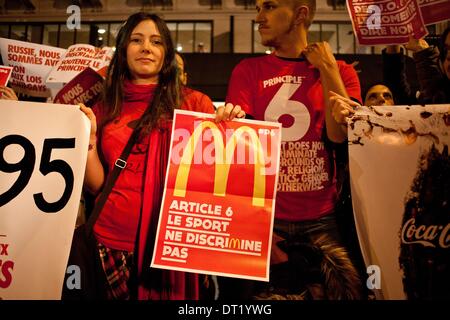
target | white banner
[
  {"x": 43, "y": 151},
  {"x": 31, "y": 64},
  {"x": 392, "y": 150},
  {"x": 77, "y": 58}
]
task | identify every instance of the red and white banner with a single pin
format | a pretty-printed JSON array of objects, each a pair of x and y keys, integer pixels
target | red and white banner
[
  {"x": 31, "y": 64},
  {"x": 43, "y": 152},
  {"x": 400, "y": 180},
  {"x": 5, "y": 74},
  {"x": 384, "y": 22},
  {"x": 218, "y": 205},
  {"x": 77, "y": 58},
  {"x": 434, "y": 11},
  {"x": 85, "y": 88}
]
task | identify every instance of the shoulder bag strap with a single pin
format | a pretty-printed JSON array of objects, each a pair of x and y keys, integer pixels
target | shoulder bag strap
[{"x": 119, "y": 165}]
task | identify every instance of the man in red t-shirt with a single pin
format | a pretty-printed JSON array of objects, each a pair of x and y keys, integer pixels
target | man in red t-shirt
[{"x": 303, "y": 87}]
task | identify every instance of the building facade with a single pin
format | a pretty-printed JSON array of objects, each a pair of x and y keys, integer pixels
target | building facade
[
  {"x": 212, "y": 26},
  {"x": 224, "y": 29}
]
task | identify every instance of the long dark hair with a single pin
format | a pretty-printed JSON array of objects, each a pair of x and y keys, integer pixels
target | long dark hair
[{"x": 167, "y": 94}]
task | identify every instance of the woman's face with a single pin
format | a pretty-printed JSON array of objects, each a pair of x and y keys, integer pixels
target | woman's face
[{"x": 145, "y": 53}]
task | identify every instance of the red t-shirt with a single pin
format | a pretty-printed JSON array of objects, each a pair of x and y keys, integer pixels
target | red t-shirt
[
  {"x": 287, "y": 91},
  {"x": 116, "y": 226}
]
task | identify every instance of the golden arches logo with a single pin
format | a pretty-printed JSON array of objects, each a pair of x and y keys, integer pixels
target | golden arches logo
[
  {"x": 234, "y": 243},
  {"x": 223, "y": 161}
]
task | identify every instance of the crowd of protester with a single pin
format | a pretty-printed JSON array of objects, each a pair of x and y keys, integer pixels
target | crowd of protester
[{"x": 315, "y": 250}]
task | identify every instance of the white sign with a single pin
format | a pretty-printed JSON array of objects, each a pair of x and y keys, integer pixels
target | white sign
[
  {"x": 43, "y": 152},
  {"x": 31, "y": 64},
  {"x": 389, "y": 149},
  {"x": 77, "y": 58}
]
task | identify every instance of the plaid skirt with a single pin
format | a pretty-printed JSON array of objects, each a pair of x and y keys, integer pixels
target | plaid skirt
[{"x": 116, "y": 265}]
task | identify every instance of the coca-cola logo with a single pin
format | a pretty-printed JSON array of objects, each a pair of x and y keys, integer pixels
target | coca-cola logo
[{"x": 428, "y": 236}]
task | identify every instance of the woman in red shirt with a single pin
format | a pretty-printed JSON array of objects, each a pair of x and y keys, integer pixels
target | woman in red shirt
[{"x": 143, "y": 75}]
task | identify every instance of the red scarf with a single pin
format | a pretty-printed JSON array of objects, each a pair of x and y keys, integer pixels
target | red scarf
[
  {"x": 155, "y": 284},
  {"x": 158, "y": 284}
]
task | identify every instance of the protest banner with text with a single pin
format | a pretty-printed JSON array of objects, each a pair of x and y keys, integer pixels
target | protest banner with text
[
  {"x": 384, "y": 22},
  {"x": 77, "y": 58},
  {"x": 434, "y": 11},
  {"x": 85, "y": 88},
  {"x": 218, "y": 205},
  {"x": 31, "y": 64}
]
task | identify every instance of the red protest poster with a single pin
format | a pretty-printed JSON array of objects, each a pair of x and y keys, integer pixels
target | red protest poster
[
  {"x": 218, "y": 204},
  {"x": 84, "y": 88},
  {"x": 434, "y": 11},
  {"x": 384, "y": 22},
  {"x": 5, "y": 73}
]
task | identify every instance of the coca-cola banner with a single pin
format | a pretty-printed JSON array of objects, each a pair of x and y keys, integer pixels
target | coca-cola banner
[
  {"x": 383, "y": 22},
  {"x": 400, "y": 182}
]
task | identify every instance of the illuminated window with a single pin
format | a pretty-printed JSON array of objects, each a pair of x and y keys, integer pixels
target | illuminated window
[
  {"x": 113, "y": 31},
  {"x": 50, "y": 36},
  {"x": 66, "y": 36},
  {"x": 18, "y": 32},
  {"x": 82, "y": 34},
  {"x": 191, "y": 36}
]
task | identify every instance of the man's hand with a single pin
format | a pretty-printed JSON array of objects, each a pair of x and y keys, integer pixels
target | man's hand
[
  {"x": 229, "y": 112},
  {"x": 341, "y": 107},
  {"x": 320, "y": 55},
  {"x": 416, "y": 45}
]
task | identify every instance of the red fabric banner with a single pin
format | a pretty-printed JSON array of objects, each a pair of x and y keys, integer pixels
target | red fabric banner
[
  {"x": 434, "y": 11},
  {"x": 384, "y": 22},
  {"x": 84, "y": 88},
  {"x": 5, "y": 73}
]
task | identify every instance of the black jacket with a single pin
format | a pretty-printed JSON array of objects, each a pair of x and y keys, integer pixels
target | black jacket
[
  {"x": 434, "y": 85},
  {"x": 394, "y": 77}
]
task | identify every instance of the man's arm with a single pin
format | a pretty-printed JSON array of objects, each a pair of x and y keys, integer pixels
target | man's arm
[
  {"x": 431, "y": 79},
  {"x": 321, "y": 57}
]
